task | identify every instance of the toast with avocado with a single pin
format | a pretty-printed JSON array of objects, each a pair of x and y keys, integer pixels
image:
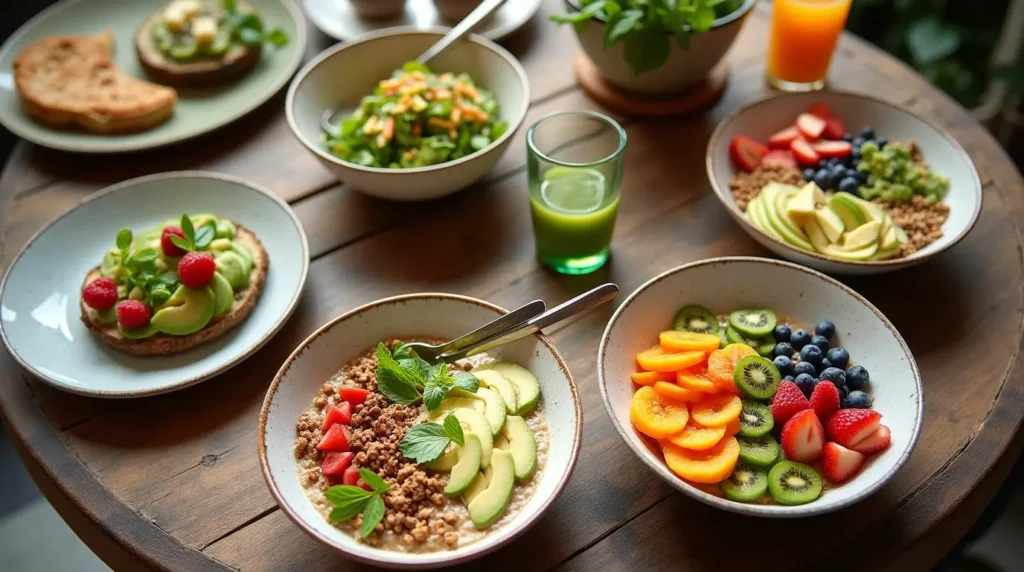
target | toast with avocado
[{"x": 175, "y": 286}]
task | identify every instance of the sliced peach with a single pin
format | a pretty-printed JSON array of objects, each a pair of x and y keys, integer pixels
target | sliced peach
[
  {"x": 696, "y": 378},
  {"x": 679, "y": 341},
  {"x": 697, "y": 437},
  {"x": 673, "y": 391},
  {"x": 656, "y": 359},
  {"x": 717, "y": 410},
  {"x": 712, "y": 465},
  {"x": 732, "y": 427},
  {"x": 722, "y": 364},
  {"x": 651, "y": 377},
  {"x": 655, "y": 415}
]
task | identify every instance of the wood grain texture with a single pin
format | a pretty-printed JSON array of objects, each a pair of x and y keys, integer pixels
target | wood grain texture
[{"x": 186, "y": 492}]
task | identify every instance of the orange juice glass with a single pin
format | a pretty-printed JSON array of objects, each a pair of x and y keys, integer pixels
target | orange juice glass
[{"x": 803, "y": 38}]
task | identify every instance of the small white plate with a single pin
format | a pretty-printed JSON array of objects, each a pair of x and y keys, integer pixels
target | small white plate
[
  {"x": 338, "y": 18},
  {"x": 40, "y": 323}
]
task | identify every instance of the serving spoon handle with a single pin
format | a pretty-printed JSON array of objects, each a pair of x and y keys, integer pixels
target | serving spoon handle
[{"x": 514, "y": 318}]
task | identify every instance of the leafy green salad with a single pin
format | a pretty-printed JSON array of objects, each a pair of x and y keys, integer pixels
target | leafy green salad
[{"x": 418, "y": 118}]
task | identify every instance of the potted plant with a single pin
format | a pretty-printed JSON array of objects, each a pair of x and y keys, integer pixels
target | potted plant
[{"x": 656, "y": 46}]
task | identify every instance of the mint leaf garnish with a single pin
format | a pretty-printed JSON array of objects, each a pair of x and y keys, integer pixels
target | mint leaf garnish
[
  {"x": 376, "y": 483},
  {"x": 398, "y": 384},
  {"x": 424, "y": 442},
  {"x": 372, "y": 515},
  {"x": 467, "y": 382},
  {"x": 205, "y": 235},
  {"x": 124, "y": 239},
  {"x": 350, "y": 500},
  {"x": 453, "y": 429},
  {"x": 187, "y": 229}
]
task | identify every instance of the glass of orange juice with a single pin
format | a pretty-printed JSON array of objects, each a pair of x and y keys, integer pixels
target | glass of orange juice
[{"x": 803, "y": 38}]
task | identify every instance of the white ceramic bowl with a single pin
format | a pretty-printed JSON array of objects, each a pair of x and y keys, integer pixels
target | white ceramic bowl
[
  {"x": 938, "y": 147},
  {"x": 805, "y": 297},
  {"x": 342, "y": 75},
  {"x": 415, "y": 315}
]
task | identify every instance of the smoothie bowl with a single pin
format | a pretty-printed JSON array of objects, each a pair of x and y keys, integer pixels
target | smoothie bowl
[{"x": 401, "y": 463}]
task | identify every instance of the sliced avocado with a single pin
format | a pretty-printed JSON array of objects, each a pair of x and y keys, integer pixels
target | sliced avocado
[
  {"x": 223, "y": 295},
  {"x": 888, "y": 241},
  {"x": 494, "y": 409},
  {"x": 108, "y": 316},
  {"x": 187, "y": 311},
  {"x": 871, "y": 210},
  {"x": 775, "y": 208},
  {"x": 521, "y": 443},
  {"x": 830, "y": 223},
  {"x": 496, "y": 381},
  {"x": 446, "y": 461},
  {"x": 466, "y": 469},
  {"x": 200, "y": 219},
  {"x": 847, "y": 209},
  {"x": 885, "y": 254},
  {"x": 109, "y": 264},
  {"x": 226, "y": 229},
  {"x": 863, "y": 254},
  {"x": 220, "y": 244},
  {"x": 138, "y": 333},
  {"x": 243, "y": 251},
  {"x": 817, "y": 235},
  {"x": 801, "y": 206},
  {"x": 479, "y": 485},
  {"x": 474, "y": 422},
  {"x": 233, "y": 267},
  {"x": 527, "y": 386},
  {"x": 862, "y": 236},
  {"x": 490, "y": 504},
  {"x": 452, "y": 403},
  {"x": 759, "y": 217}
]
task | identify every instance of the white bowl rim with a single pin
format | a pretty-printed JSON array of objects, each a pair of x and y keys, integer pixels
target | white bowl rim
[
  {"x": 290, "y": 309},
  {"x": 720, "y": 22},
  {"x": 431, "y": 559},
  {"x": 513, "y": 124},
  {"x": 892, "y": 262},
  {"x": 772, "y": 511}
]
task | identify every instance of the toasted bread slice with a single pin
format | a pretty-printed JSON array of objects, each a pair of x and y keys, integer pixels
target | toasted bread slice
[
  {"x": 71, "y": 81},
  {"x": 202, "y": 72},
  {"x": 163, "y": 344}
]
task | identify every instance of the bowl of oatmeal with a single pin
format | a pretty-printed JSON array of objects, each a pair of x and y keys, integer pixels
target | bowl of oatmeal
[
  {"x": 397, "y": 462},
  {"x": 843, "y": 183}
]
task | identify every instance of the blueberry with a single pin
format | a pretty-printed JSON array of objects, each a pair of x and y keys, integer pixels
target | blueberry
[
  {"x": 867, "y": 133},
  {"x": 825, "y": 328},
  {"x": 862, "y": 176},
  {"x": 857, "y": 377},
  {"x": 799, "y": 339},
  {"x": 783, "y": 364},
  {"x": 788, "y": 378},
  {"x": 844, "y": 403},
  {"x": 847, "y": 136},
  {"x": 783, "y": 349},
  {"x": 808, "y": 174},
  {"x": 838, "y": 357},
  {"x": 851, "y": 173},
  {"x": 812, "y": 354},
  {"x": 838, "y": 170},
  {"x": 882, "y": 142},
  {"x": 805, "y": 382},
  {"x": 849, "y": 185},
  {"x": 857, "y": 142},
  {"x": 835, "y": 375},
  {"x": 825, "y": 364},
  {"x": 844, "y": 393},
  {"x": 782, "y": 333},
  {"x": 859, "y": 400},
  {"x": 804, "y": 367},
  {"x": 821, "y": 342},
  {"x": 823, "y": 178}
]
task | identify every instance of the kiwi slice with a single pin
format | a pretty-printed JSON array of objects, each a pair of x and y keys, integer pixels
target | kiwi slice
[
  {"x": 754, "y": 322},
  {"x": 760, "y": 451},
  {"x": 755, "y": 419},
  {"x": 724, "y": 340},
  {"x": 756, "y": 377},
  {"x": 762, "y": 345},
  {"x": 747, "y": 483},
  {"x": 793, "y": 483},
  {"x": 696, "y": 319}
]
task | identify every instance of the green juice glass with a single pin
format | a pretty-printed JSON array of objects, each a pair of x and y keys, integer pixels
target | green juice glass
[{"x": 574, "y": 162}]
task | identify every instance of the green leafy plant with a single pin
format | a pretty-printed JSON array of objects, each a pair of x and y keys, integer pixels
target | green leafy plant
[
  {"x": 139, "y": 270},
  {"x": 425, "y": 442},
  {"x": 195, "y": 240},
  {"x": 644, "y": 26},
  {"x": 349, "y": 501},
  {"x": 247, "y": 27},
  {"x": 404, "y": 377}
]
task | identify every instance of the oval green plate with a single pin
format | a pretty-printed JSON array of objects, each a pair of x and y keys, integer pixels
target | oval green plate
[{"x": 198, "y": 111}]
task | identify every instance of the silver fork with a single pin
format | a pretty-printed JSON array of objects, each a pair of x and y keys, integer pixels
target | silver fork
[{"x": 520, "y": 315}]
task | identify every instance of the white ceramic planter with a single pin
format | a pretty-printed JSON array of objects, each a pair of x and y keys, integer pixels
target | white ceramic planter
[{"x": 682, "y": 70}]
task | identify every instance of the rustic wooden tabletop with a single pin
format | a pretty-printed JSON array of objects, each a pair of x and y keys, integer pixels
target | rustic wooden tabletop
[{"x": 173, "y": 481}]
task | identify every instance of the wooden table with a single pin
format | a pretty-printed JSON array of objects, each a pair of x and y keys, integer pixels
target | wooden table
[{"x": 173, "y": 481}]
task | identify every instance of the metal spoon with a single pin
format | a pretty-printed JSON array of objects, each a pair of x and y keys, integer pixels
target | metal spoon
[
  {"x": 330, "y": 120},
  {"x": 514, "y": 318}
]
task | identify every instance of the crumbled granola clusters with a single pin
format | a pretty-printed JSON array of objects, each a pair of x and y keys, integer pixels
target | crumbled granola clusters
[
  {"x": 745, "y": 186},
  {"x": 920, "y": 220}
]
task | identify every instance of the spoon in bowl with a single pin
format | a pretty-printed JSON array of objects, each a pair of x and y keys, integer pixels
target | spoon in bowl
[
  {"x": 330, "y": 120},
  {"x": 431, "y": 352}
]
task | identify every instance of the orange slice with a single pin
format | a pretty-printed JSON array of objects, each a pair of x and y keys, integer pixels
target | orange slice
[
  {"x": 696, "y": 378},
  {"x": 677, "y": 341},
  {"x": 712, "y": 465},
  {"x": 732, "y": 427},
  {"x": 651, "y": 377},
  {"x": 655, "y": 415},
  {"x": 673, "y": 391},
  {"x": 696, "y": 437},
  {"x": 722, "y": 364},
  {"x": 655, "y": 359},
  {"x": 717, "y": 410}
]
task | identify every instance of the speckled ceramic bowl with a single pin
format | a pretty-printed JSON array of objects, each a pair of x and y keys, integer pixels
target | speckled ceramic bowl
[
  {"x": 442, "y": 316},
  {"x": 804, "y": 297}
]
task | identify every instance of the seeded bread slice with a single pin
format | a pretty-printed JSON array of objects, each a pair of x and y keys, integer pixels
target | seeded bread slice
[{"x": 163, "y": 344}]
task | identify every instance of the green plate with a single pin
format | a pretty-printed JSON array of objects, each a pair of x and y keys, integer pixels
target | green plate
[{"x": 198, "y": 111}]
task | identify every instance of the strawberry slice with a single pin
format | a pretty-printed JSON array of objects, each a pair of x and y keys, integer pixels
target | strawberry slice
[
  {"x": 875, "y": 442},
  {"x": 337, "y": 414},
  {"x": 779, "y": 158},
  {"x": 335, "y": 440},
  {"x": 820, "y": 110},
  {"x": 350, "y": 476},
  {"x": 833, "y": 148},
  {"x": 810, "y": 126},
  {"x": 746, "y": 152},
  {"x": 834, "y": 128},
  {"x": 825, "y": 400},
  {"x": 784, "y": 138},
  {"x": 787, "y": 402},
  {"x": 354, "y": 395},
  {"x": 335, "y": 464},
  {"x": 804, "y": 153},
  {"x": 803, "y": 439},
  {"x": 851, "y": 426},
  {"x": 841, "y": 464}
]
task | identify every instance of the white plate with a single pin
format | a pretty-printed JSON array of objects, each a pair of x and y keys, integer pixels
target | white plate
[
  {"x": 338, "y": 18},
  {"x": 39, "y": 295}
]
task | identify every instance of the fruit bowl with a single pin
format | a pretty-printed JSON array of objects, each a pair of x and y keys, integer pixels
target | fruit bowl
[{"x": 802, "y": 296}]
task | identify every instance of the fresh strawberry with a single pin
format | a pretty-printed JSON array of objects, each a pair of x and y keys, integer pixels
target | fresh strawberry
[
  {"x": 779, "y": 157},
  {"x": 335, "y": 464},
  {"x": 825, "y": 400},
  {"x": 746, "y": 152},
  {"x": 834, "y": 128},
  {"x": 875, "y": 442},
  {"x": 832, "y": 148},
  {"x": 350, "y": 477},
  {"x": 133, "y": 314},
  {"x": 196, "y": 269},
  {"x": 803, "y": 439},
  {"x": 804, "y": 153},
  {"x": 850, "y": 426},
  {"x": 820, "y": 110},
  {"x": 100, "y": 294},
  {"x": 784, "y": 138},
  {"x": 169, "y": 248},
  {"x": 353, "y": 395},
  {"x": 841, "y": 464},
  {"x": 334, "y": 440},
  {"x": 810, "y": 126},
  {"x": 341, "y": 413},
  {"x": 788, "y": 401}
]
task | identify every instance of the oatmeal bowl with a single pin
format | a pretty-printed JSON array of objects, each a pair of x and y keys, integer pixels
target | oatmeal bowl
[{"x": 398, "y": 462}]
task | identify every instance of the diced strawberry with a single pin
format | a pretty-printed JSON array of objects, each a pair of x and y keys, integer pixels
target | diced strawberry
[
  {"x": 834, "y": 128},
  {"x": 804, "y": 153},
  {"x": 851, "y": 426},
  {"x": 833, "y": 148},
  {"x": 350, "y": 477},
  {"x": 341, "y": 413},
  {"x": 787, "y": 402},
  {"x": 334, "y": 440},
  {"x": 825, "y": 400},
  {"x": 784, "y": 138},
  {"x": 335, "y": 464},
  {"x": 841, "y": 464},
  {"x": 362, "y": 484},
  {"x": 746, "y": 152},
  {"x": 780, "y": 158},
  {"x": 354, "y": 395},
  {"x": 875, "y": 442},
  {"x": 820, "y": 110},
  {"x": 803, "y": 439},
  {"x": 810, "y": 126}
]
